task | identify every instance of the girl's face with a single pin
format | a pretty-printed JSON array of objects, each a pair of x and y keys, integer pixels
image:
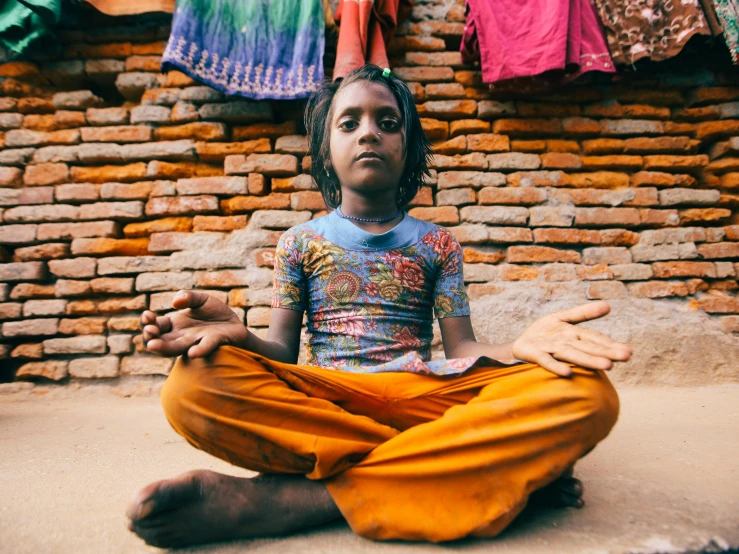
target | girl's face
[{"x": 367, "y": 139}]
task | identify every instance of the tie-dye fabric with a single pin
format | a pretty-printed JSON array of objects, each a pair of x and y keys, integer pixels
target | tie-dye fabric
[
  {"x": 260, "y": 49},
  {"x": 371, "y": 298}
]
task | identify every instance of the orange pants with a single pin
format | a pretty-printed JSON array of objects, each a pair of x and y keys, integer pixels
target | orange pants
[{"x": 404, "y": 456}]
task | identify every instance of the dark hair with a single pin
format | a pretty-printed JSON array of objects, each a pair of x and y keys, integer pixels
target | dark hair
[{"x": 318, "y": 114}]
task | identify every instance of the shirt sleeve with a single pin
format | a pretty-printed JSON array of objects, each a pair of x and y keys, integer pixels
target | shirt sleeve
[
  {"x": 450, "y": 297},
  {"x": 289, "y": 287}
]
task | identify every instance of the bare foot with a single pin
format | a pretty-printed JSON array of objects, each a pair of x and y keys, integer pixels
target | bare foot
[
  {"x": 563, "y": 491},
  {"x": 204, "y": 506}
]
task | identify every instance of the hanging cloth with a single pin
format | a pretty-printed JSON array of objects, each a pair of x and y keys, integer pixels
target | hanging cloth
[
  {"x": 534, "y": 45},
  {"x": 655, "y": 29},
  {"x": 131, "y": 7},
  {"x": 711, "y": 18},
  {"x": 26, "y": 27},
  {"x": 365, "y": 27},
  {"x": 258, "y": 49},
  {"x": 727, "y": 12}
]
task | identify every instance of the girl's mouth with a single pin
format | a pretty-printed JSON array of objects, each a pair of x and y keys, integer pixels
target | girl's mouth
[{"x": 368, "y": 156}]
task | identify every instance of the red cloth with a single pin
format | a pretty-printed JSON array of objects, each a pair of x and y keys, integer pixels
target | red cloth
[
  {"x": 365, "y": 27},
  {"x": 532, "y": 44}
]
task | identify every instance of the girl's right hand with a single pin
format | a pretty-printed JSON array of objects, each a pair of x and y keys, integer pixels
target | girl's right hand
[{"x": 200, "y": 325}]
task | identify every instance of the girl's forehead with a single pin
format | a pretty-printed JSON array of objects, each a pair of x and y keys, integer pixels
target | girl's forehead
[{"x": 365, "y": 95}]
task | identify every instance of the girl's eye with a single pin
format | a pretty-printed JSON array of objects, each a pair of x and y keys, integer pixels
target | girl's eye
[
  {"x": 390, "y": 125},
  {"x": 348, "y": 122}
]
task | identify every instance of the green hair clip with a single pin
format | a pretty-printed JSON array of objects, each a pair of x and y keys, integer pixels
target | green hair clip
[{"x": 386, "y": 72}]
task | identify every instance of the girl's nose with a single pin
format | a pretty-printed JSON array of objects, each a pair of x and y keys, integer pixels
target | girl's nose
[{"x": 369, "y": 132}]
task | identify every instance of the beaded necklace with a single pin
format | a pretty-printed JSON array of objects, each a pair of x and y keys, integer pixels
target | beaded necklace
[{"x": 363, "y": 220}]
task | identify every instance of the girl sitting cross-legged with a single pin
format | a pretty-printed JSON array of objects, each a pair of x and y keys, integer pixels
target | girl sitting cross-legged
[{"x": 371, "y": 430}]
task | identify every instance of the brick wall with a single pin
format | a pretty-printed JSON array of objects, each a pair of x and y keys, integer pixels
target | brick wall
[{"x": 119, "y": 186}]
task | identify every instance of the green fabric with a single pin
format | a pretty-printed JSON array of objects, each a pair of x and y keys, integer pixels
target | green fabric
[
  {"x": 26, "y": 24},
  {"x": 728, "y": 13}
]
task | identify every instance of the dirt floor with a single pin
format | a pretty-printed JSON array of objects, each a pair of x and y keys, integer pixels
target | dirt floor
[{"x": 666, "y": 480}]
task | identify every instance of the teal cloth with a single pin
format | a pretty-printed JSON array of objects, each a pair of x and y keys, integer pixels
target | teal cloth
[{"x": 26, "y": 26}]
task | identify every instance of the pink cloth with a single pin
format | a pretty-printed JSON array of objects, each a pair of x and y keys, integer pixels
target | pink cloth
[{"x": 531, "y": 44}]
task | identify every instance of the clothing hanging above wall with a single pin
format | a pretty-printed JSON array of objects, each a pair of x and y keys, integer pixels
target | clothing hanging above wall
[
  {"x": 366, "y": 26},
  {"x": 258, "y": 49},
  {"x": 727, "y": 12},
  {"x": 655, "y": 29},
  {"x": 131, "y": 7},
  {"x": 530, "y": 45},
  {"x": 27, "y": 26}
]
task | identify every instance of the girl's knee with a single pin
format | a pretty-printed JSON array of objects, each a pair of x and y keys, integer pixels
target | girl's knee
[
  {"x": 183, "y": 386},
  {"x": 599, "y": 397}
]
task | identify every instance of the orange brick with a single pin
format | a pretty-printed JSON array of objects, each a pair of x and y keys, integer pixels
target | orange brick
[
  {"x": 266, "y": 257},
  {"x": 24, "y": 291},
  {"x": 425, "y": 74},
  {"x": 264, "y": 130},
  {"x": 435, "y": 129},
  {"x": 599, "y": 180},
  {"x": 566, "y": 236},
  {"x": 508, "y": 235},
  {"x": 602, "y": 146},
  {"x": 511, "y": 272},
  {"x": 182, "y": 170},
  {"x": 457, "y": 145},
  {"x": 483, "y": 255},
  {"x": 580, "y": 126},
  {"x": 178, "y": 79},
  {"x": 217, "y": 151},
  {"x": 720, "y": 304},
  {"x": 538, "y": 254},
  {"x": 200, "y": 130},
  {"x": 659, "y": 218},
  {"x": 657, "y": 289},
  {"x": 556, "y": 145},
  {"x": 468, "y": 126},
  {"x": 218, "y": 223},
  {"x": 448, "y": 109},
  {"x": 527, "y": 127},
  {"x": 109, "y": 173},
  {"x": 307, "y": 200},
  {"x": 593, "y": 272},
  {"x": 606, "y": 216},
  {"x": 181, "y": 205},
  {"x": 636, "y": 111},
  {"x": 274, "y": 201},
  {"x": 119, "y": 134},
  {"x": 659, "y": 179},
  {"x": 606, "y": 289},
  {"x": 487, "y": 142},
  {"x": 110, "y": 50},
  {"x": 271, "y": 165},
  {"x": 516, "y": 196},
  {"x": 675, "y": 164},
  {"x": 533, "y": 146},
  {"x": 37, "y": 122},
  {"x": 560, "y": 160},
  {"x": 665, "y": 270},
  {"x": 46, "y": 174},
  {"x": 719, "y": 250},
  {"x": 143, "y": 63},
  {"x": 614, "y": 163},
  {"x": 424, "y": 197},
  {"x": 480, "y": 290},
  {"x": 446, "y": 215},
  {"x": 703, "y": 214},
  {"x": 146, "y": 228},
  {"x": 618, "y": 237},
  {"x": 110, "y": 247}
]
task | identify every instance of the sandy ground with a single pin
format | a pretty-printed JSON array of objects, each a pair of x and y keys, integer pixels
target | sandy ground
[{"x": 666, "y": 480}]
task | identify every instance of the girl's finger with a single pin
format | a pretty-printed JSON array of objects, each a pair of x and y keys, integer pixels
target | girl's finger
[
  {"x": 595, "y": 349},
  {"x": 620, "y": 350},
  {"x": 164, "y": 323},
  {"x": 584, "y": 312},
  {"x": 583, "y": 359},
  {"x": 146, "y": 318},
  {"x": 206, "y": 345},
  {"x": 172, "y": 347},
  {"x": 151, "y": 332},
  {"x": 549, "y": 363}
]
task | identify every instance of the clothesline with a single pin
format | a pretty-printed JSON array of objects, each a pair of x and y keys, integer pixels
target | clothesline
[{"x": 274, "y": 49}]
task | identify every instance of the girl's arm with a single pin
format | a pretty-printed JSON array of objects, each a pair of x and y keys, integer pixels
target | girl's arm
[
  {"x": 552, "y": 341},
  {"x": 283, "y": 338},
  {"x": 460, "y": 342}
]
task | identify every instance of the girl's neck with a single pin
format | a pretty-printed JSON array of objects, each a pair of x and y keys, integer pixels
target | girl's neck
[{"x": 364, "y": 208}]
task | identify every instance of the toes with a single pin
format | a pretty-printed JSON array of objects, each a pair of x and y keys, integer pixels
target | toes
[
  {"x": 163, "y": 496},
  {"x": 570, "y": 486}
]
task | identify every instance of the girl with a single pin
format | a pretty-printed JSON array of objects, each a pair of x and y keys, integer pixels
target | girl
[{"x": 371, "y": 430}]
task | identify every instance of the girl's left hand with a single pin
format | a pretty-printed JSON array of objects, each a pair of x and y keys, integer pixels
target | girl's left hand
[{"x": 554, "y": 337}]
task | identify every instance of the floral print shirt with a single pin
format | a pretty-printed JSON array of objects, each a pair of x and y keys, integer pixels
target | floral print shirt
[{"x": 371, "y": 298}]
